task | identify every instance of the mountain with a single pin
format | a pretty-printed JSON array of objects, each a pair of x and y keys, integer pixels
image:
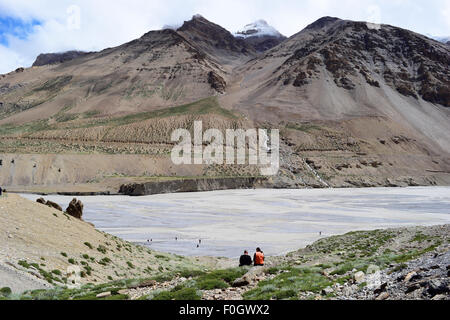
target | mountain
[
  {"x": 52, "y": 58},
  {"x": 214, "y": 40},
  {"x": 159, "y": 69},
  {"x": 338, "y": 69},
  {"x": 355, "y": 105},
  {"x": 445, "y": 40},
  {"x": 260, "y": 35}
]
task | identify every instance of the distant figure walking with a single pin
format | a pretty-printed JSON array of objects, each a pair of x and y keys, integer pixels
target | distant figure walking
[
  {"x": 198, "y": 245},
  {"x": 258, "y": 257},
  {"x": 320, "y": 233},
  {"x": 176, "y": 238},
  {"x": 245, "y": 259},
  {"x": 199, "y": 241}
]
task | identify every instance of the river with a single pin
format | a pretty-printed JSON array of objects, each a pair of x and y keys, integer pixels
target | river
[{"x": 278, "y": 221}]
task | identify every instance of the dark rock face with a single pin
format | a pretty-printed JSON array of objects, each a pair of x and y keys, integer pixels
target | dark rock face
[
  {"x": 264, "y": 43},
  {"x": 216, "y": 82},
  {"x": 75, "y": 209},
  {"x": 210, "y": 36},
  {"x": 189, "y": 185},
  {"x": 53, "y": 58},
  {"x": 41, "y": 200}
]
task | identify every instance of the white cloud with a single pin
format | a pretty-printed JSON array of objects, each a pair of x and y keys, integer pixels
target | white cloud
[{"x": 105, "y": 23}]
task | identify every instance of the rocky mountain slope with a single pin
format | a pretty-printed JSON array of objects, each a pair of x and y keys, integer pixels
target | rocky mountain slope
[{"x": 356, "y": 105}]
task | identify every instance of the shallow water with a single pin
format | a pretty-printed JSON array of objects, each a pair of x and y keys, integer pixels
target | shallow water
[{"x": 278, "y": 221}]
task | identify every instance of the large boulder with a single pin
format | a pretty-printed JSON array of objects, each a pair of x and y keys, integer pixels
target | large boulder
[
  {"x": 251, "y": 276},
  {"x": 75, "y": 209}
]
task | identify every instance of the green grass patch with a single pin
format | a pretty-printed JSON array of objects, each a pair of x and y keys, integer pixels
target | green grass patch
[
  {"x": 87, "y": 244},
  {"x": 179, "y": 294},
  {"x": 288, "y": 284},
  {"x": 5, "y": 292},
  {"x": 101, "y": 249}
]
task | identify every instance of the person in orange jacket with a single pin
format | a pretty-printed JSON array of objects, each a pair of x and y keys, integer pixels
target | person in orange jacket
[{"x": 258, "y": 257}]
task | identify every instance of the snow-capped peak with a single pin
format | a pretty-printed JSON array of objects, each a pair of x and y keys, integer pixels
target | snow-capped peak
[{"x": 257, "y": 29}]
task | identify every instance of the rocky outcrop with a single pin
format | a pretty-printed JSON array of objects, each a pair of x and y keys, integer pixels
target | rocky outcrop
[
  {"x": 50, "y": 204},
  {"x": 250, "y": 277},
  {"x": 216, "y": 82},
  {"x": 75, "y": 209},
  {"x": 189, "y": 185},
  {"x": 53, "y": 58}
]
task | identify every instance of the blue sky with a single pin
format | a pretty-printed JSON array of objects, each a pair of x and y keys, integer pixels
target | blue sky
[
  {"x": 31, "y": 27},
  {"x": 16, "y": 28}
]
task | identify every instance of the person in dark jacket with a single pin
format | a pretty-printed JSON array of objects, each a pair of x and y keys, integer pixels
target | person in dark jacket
[{"x": 245, "y": 259}]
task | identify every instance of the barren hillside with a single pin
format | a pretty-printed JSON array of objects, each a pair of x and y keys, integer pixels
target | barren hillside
[{"x": 41, "y": 245}]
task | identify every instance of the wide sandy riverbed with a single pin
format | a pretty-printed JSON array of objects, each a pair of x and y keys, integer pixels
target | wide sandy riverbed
[{"x": 278, "y": 221}]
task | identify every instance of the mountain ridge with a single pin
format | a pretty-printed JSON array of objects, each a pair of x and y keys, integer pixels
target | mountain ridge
[{"x": 375, "y": 98}]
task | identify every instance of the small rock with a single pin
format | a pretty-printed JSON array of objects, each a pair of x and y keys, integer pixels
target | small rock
[
  {"x": 241, "y": 282},
  {"x": 149, "y": 283},
  {"x": 123, "y": 291},
  {"x": 412, "y": 288},
  {"x": 435, "y": 267},
  {"x": 103, "y": 294},
  {"x": 439, "y": 297},
  {"x": 327, "y": 290},
  {"x": 409, "y": 276},
  {"x": 436, "y": 286},
  {"x": 381, "y": 289},
  {"x": 383, "y": 296},
  {"x": 359, "y": 277},
  {"x": 348, "y": 291}
]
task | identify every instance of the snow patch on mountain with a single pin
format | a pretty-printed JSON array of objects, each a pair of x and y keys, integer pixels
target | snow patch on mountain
[{"x": 258, "y": 28}]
